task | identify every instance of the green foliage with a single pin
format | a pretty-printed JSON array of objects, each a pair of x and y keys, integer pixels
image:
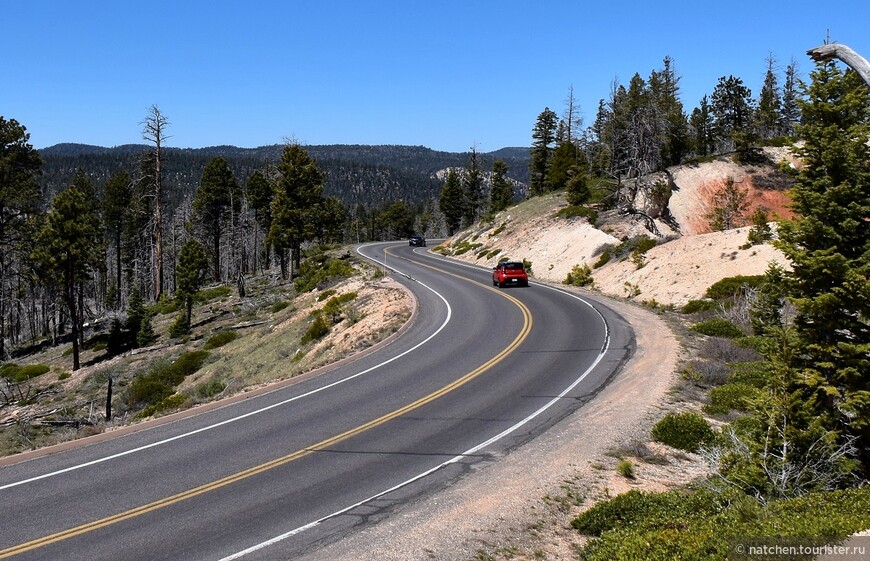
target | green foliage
[
  {"x": 687, "y": 431},
  {"x": 576, "y": 211},
  {"x": 718, "y": 327},
  {"x": 580, "y": 275},
  {"x": 18, "y": 374},
  {"x": 145, "y": 336},
  {"x": 180, "y": 327},
  {"x": 209, "y": 389},
  {"x": 634, "y": 247},
  {"x": 213, "y": 293},
  {"x": 731, "y": 286},
  {"x": 326, "y": 294},
  {"x": 701, "y": 525},
  {"x": 318, "y": 329},
  {"x": 730, "y": 204},
  {"x": 335, "y": 307},
  {"x": 320, "y": 270},
  {"x": 696, "y": 306},
  {"x": 451, "y": 203},
  {"x": 172, "y": 402},
  {"x": 220, "y": 339},
  {"x": 733, "y": 396},
  {"x": 278, "y": 306},
  {"x": 160, "y": 381},
  {"x": 501, "y": 194},
  {"x": 212, "y": 203},
  {"x": 761, "y": 230},
  {"x": 626, "y": 469}
]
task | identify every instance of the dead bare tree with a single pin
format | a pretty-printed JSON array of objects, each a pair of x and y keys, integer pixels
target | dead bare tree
[
  {"x": 839, "y": 51},
  {"x": 154, "y": 131}
]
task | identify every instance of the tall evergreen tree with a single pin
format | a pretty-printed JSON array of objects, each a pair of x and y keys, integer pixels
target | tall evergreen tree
[
  {"x": 501, "y": 193},
  {"x": 703, "y": 123},
  {"x": 212, "y": 202},
  {"x": 731, "y": 104},
  {"x": 19, "y": 198},
  {"x": 543, "y": 137},
  {"x": 296, "y": 203},
  {"x": 768, "y": 115},
  {"x": 472, "y": 186},
  {"x": 452, "y": 202},
  {"x": 828, "y": 245},
  {"x": 190, "y": 273},
  {"x": 154, "y": 131},
  {"x": 69, "y": 250},
  {"x": 790, "y": 113}
]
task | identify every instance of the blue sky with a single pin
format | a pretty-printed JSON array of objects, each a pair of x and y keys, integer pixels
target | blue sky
[{"x": 445, "y": 74}]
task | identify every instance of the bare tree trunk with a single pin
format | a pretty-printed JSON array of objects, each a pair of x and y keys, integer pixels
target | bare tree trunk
[
  {"x": 836, "y": 50},
  {"x": 155, "y": 132}
]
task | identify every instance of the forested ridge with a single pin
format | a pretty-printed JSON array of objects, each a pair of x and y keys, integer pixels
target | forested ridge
[{"x": 372, "y": 176}]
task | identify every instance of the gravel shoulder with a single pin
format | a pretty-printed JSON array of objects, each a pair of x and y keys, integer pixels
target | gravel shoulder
[{"x": 520, "y": 506}]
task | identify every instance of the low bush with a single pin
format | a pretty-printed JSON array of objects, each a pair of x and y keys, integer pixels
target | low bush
[
  {"x": 718, "y": 327},
  {"x": 578, "y": 211},
  {"x": 320, "y": 270},
  {"x": 18, "y": 374},
  {"x": 160, "y": 381},
  {"x": 686, "y": 431},
  {"x": 213, "y": 293},
  {"x": 172, "y": 402},
  {"x": 220, "y": 339},
  {"x": 731, "y": 286},
  {"x": 580, "y": 275},
  {"x": 730, "y": 397},
  {"x": 317, "y": 330},
  {"x": 209, "y": 389},
  {"x": 697, "y": 306},
  {"x": 671, "y": 525},
  {"x": 626, "y": 469}
]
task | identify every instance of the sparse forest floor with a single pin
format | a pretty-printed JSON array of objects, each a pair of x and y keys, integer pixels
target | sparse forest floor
[{"x": 260, "y": 343}]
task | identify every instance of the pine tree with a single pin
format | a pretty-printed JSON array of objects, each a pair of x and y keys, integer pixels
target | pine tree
[
  {"x": 501, "y": 193},
  {"x": 730, "y": 204},
  {"x": 190, "y": 273},
  {"x": 703, "y": 124},
  {"x": 829, "y": 248},
  {"x": 472, "y": 186},
  {"x": 790, "y": 113},
  {"x": 768, "y": 116},
  {"x": 452, "y": 202},
  {"x": 20, "y": 166},
  {"x": 212, "y": 204},
  {"x": 543, "y": 137},
  {"x": 731, "y": 104},
  {"x": 297, "y": 199},
  {"x": 69, "y": 250},
  {"x": 260, "y": 193}
]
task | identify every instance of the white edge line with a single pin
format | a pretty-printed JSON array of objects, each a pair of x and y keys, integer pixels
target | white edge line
[
  {"x": 249, "y": 414},
  {"x": 454, "y": 459}
]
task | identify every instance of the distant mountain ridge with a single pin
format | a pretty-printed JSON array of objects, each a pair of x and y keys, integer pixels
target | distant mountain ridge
[{"x": 368, "y": 175}]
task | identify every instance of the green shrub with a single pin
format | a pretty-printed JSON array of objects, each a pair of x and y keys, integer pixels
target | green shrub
[
  {"x": 718, "y": 327},
  {"x": 172, "y": 402},
  {"x": 696, "y": 306},
  {"x": 319, "y": 270},
  {"x": 731, "y": 396},
  {"x": 213, "y": 293},
  {"x": 661, "y": 527},
  {"x": 209, "y": 389},
  {"x": 335, "y": 307},
  {"x": 731, "y": 286},
  {"x": 580, "y": 275},
  {"x": 626, "y": 469},
  {"x": 751, "y": 373},
  {"x": 686, "y": 431},
  {"x": 179, "y": 327},
  {"x": 326, "y": 294},
  {"x": 317, "y": 330},
  {"x": 18, "y": 374},
  {"x": 187, "y": 364},
  {"x": 575, "y": 211},
  {"x": 278, "y": 306},
  {"x": 220, "y": 339},
  {"x": 604, "y": 258}
]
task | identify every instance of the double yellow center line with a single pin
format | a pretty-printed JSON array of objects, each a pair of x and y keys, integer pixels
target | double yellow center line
[{"x": 262, "y": 468}]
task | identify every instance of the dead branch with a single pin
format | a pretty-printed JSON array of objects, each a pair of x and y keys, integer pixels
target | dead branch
[{"x": 839, "y": 51}]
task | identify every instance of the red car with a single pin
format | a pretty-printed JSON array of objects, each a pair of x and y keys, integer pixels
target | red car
[{"x": 510, "y": 273}]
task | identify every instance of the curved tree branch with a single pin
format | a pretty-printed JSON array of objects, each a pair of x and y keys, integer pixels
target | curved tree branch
[{"x": 836, "y": 50}]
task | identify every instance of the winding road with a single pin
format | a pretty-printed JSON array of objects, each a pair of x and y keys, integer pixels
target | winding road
[{"x": 479, "y": 372}]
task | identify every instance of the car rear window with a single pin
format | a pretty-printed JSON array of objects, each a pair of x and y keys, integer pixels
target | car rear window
[{"x": 513, "y": 266}]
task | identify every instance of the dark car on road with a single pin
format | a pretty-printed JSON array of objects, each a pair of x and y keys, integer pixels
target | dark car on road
[
  {"x": 417, "y": 241},
  {"x": 510, "y": 273}
]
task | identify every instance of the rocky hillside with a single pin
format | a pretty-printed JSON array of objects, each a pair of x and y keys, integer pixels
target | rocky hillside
[{"x": 686, "y": 259}]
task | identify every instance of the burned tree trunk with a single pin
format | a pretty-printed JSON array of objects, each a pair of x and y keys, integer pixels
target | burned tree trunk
[{"x": 835, "y": 50}]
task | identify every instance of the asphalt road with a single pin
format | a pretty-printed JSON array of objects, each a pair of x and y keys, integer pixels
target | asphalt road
[{"x": 480, "y": 372}]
